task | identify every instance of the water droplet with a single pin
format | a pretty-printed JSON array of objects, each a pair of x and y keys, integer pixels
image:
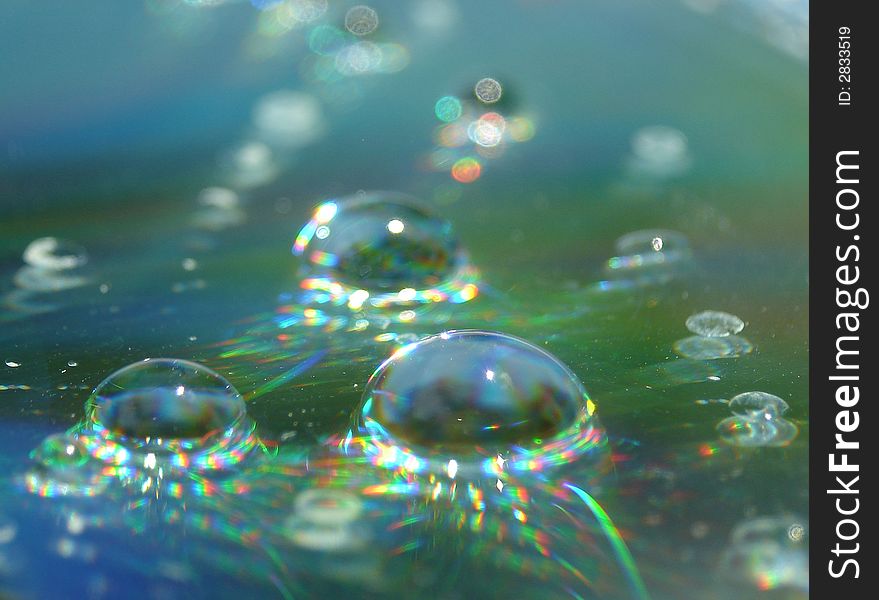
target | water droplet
[
  {"x": 218, "y": 197},
  {"x": 647, "y": 257},
  {"x": 376, "y": 249},
  {"x": 757, "y": 431},
  {"x": 12, "y": 364},
  {"x": 60, "y": 451},
  {"x": 40, "y": 279},
  {"x": 361, "y": 20},
  {"x": 328, "y": 506},
  {"x": 757, "y": 404},
  {"x": 767, "y": 553},
  {"x": 326, "y": 520},
  {"x": 64, "y": 468},
  {"x": 219, "y": 208},
  {"x": 714, "y": 323},
  {"x": 643, "y": 242},
  {"x": 698, "y": 347},
  {"x": 488, "y": 90},
  {"x": 170, "y": 415},
  {"x": 249, "y": 164},
  {"x": 289, "y": 118},
  {"x": 472, "y": 393},
  {"x": 54, "y": 254},
  {"x": 659, "y": 151},
  {"x": 165, "y": 398}
]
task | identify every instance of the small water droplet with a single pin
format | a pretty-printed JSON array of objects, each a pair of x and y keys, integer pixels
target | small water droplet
[
  {"x": 714, "y": 323},
  {"x": 54, "y": 254},
  {"x": 60, "y": 451},
  {"x": 698, "y": 347},
  {"x": 757, "y": 404},
  {"x": 750, "y": 431},
  {"x": 361, "y": 251}
]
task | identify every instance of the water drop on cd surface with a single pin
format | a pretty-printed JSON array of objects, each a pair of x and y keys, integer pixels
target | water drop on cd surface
[
  {"x": 757, "y": 404},
  {"x": 63, "y": 467},
  {"x": 714, "y": 323},
  {"x": 166, "y": 414},
  {"x": 54, "y": 254},
  {"x": 60, "y": 451},
  {"x": 165, "y": 398},
  {"x": 380, "y": 249},
  {"x": 476, "y": 395}
]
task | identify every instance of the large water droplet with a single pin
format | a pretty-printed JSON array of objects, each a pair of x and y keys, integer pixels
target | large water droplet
[
  {"x": 168, "y": 414},
  {"x": 471, "y": 393},
  {"x": 382, "y": 248},
  {"x": 165, "y": 398}
]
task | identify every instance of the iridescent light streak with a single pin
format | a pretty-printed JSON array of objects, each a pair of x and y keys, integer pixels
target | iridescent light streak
[
  {"x": 287, "y": 376},
  {"x": 461, "y": 288},
  {"x": 216, "y": 451},
  {"x": 616, "y": 541},
  {"x": 48, "y": 487},
  {"x": 322, "y": 215}
]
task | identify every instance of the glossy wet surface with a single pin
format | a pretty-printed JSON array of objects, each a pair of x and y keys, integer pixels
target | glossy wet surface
[{"x": 585, "y": 195}]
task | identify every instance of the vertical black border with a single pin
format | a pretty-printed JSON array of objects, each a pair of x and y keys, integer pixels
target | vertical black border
[{"x": 836, "y": 127}]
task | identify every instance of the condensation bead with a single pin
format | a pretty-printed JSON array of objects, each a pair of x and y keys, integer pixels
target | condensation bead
[
  {"x": 382, "y": 248},
  {"x": 714, "y": 323},
  {"x": 165, "y": 398},
  {"x": 757, "y": 404},
  {"x": 471, "y": 392}
]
